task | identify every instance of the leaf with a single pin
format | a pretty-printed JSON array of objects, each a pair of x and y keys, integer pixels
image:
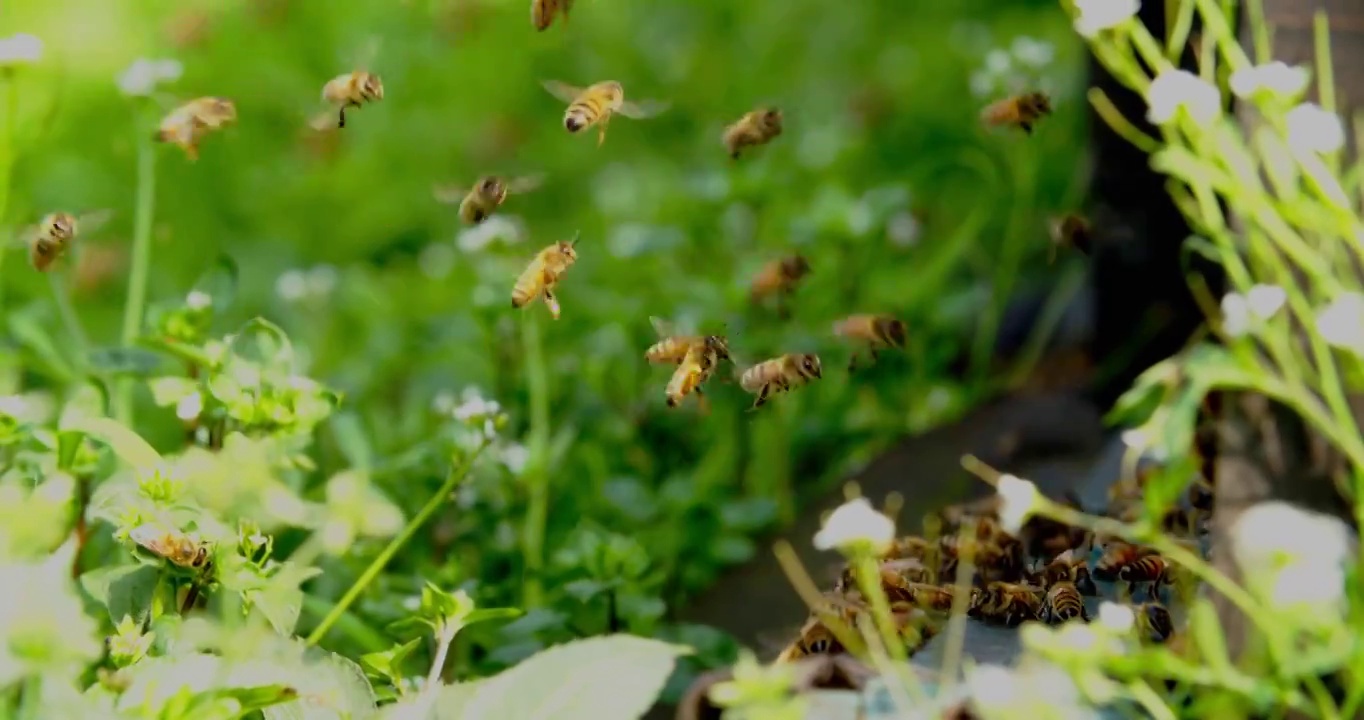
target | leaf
[
  {"x": 131, "y": 361},
  {"x": 169, "y": 391},
  {"x": 336, "y": 688},
  {"x": 486, "y": 614},
  {"x": 34, "y": 336},
  {"x": 121, "y": 589},
  {"x": 616, "y": 677},
  {"x": 126, "y": 444},
  {"x": 388, "y": 664},
  {"x": 452, "y": 701},
  {"x": 257, "y": 698},
  {"x": 1207, "y": 636},
  {"x": 352, "y": 440}
]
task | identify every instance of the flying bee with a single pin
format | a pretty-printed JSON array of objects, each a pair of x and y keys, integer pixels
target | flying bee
[
  {"x": 543, "y": 12},
  {"x": 1008, "y": 603},
  {"x": 540, "y": 277},
  {"x": 182, "y": 549},
  {"x": 187, "y": 125},
  {"x": 1154, "y": 621},
  {"x": 1021, "y": 111},
  {"x": 1070, "y": 231},
  {"x": 354, "y": 89},
  {"x": 874, "y": 331},
  {"x": 478, "y": 203},
  {"x": 755, "y": 128},
  {"x": 1063, "y": 603},
  {"x": 696, "y": 367},
  {"x": 52, "y": 236},
  {"x": 673, "y": 346},
  {"x": 597, "y": 103},
  {"x": 779, "y": 374},
  {"x": 780, "y": 278},
  {"x": 1152, "y": 569}
]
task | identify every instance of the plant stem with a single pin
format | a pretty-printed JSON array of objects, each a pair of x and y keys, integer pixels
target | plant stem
[
  {"x": 69, "y": 317},
  {"x": 365, "y": 636},
  {"x": 457, "y": 475},
  {"x": 536, "y": 476},
  {"x": 11, "y": 114},
  {"x": 141, "y": 262},
  {"x": 443, "y": 640}
]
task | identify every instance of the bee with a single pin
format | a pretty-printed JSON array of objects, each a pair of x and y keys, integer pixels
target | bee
[
  {"x": 695, "y": 369},
  {"x": 1004, "y": 602},
  {"x": 893, "y": 573},
  {"x": 815, "y": 637},
  {"x": 1152, "y": 569},
  {"x": 49, "y": 240},
  {"x": 597, "y": 103},
  {"x": 954, "y": 516},
  {"x": 922, "y": 595},
  {"x": 1201, "y": 495},
  {"x": 1068, "y": 567},
  {"x": 187, "y": 125},
  {"x": 779, "y": 277},
  {"x": 1022, "y": 111},
  {"x": 908, "y": 547},
  {"x": 1154, "y": 620},
  {"x": 755, "y": 128},
  {"x": 997, "y": 554},
  {"x": 1070, "y": 231},
  {"x": 478, "y": 203},
  {"x": 779, "y": 374},
  {"x": 1064, "y": 603},
  {"x": 543, "y": 273},
  {"x": 182, "y": 549},
  {"x": 875, "y": 331},
  {"x": 1116, "y": 556},
  {"x": 354, "y": 89},
  {"x": 542, "y": 12},
  {"x": 672, "y": 346}
]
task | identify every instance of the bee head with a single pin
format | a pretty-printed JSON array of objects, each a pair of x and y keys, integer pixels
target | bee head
[
  {"x": 569, "y": 248},
  {"x": 63, "y": 226},
  {"x": 798, "y": 265},
  {"x": 492, "y": 187},
  {"x": 371, "y": 86},
  {"x": 820, "y": 645},
  {"x": 811, "y": 366},
  {"x": 772, "y": 119},
  {"x": 223, "y": 109},
  {"x": 719, "y": 345},
  {"x": 895, "y": 331},
  {"x": 200, "y": 557}
]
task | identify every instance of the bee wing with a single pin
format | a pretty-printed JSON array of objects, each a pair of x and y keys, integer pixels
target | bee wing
[
  {"x": 662, "y": 327},
  {"x": 93, "y": 220},
  {"x": 23, "y": 237},
  {"x": 643, "y": 108},
  {"x": 369, "y": 52},
  {"x": 563, "y": 91},
  {"x": 449, "y": 194},
  {"x": 525, "y": 183}
]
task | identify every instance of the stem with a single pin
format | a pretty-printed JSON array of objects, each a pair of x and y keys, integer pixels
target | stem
[
  {"x": 32, "y": 698},
  {"x": 11, "y": 113},
  {"x": 443, "y": 641},
  {"x": 956, "y": 622},
  {"x": 1150, "y": 701},
  {"x": 366, "y": 637},
  {"x": 141, "y": 262},
  {"x": 536, "y": 476},
  {"x": 457, "y": 475},
  {"x": 69, "y": 317}
]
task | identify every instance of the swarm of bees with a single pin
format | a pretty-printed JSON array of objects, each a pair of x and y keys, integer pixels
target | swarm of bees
[{"x": 1045, "y": 573}]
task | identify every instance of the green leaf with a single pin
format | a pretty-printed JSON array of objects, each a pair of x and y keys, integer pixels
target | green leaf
[
  {"x": 1206, "y": 630},
  {"x": 335, "y": 688},
  {"x": 32, "y": 335},
  {"x": 130, "y": 361},
  {"x": 257, "y": 698},
  {"x": 169, "y": 391},
  {"x": 121, "y": 589},
  {"x": 486, "y": 614},
  {"x": 388, "y": 664},
  {"x": 352, "y": 440},
  {"x": 452, "y": 701},
  {"x": 616, "y": 677},
  {"x": 126, "y": 444}
]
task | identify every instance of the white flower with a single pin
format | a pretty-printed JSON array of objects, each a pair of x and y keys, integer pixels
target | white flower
[
  {"x": 1094, "y": 16},
  {"x": 1260, "y": 303},
  {"x": 903, "y": 229},
  {"x": 142, "y": 77},
  {"x": 514, "y": 457},
  {"x": 1276, "y": 78},
  {"x": 291, "y": 286},
  {"x": 1033, "y": 53},
  {"x": 497, "y": 227},
  {"x": 1175, "y": 89},
  {"x": 994, "y": 687},
  {"x": 474, "y": 406},
  {"x": 190, "y": 406},
  {"x": 1018, "y": 499},
  {"x": 1342, "y": 323},
  {"x": 998, "y": 62},
  {"x": 1293, "y": 557},
  {"x": 198, "y": 300},
  {"x": 1118, "y": 618},
  {"x": 856, "y": 525},
  {"x": 21, "y": 49},
  {"x": 321, "y": 280},
  {"x": 1312, "y": 129}
]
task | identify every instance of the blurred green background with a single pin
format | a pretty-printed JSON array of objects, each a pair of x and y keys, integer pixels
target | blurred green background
[{"x": 883, "y": 178}]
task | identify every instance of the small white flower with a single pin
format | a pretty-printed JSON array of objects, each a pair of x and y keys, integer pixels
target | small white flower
[
  {"x": 1175, "y": 89},
  {"x": 1276, "y": 78},
  {"x": 1312, "y": 129},
  {"x": 514, "y": 457},
  {"x": 1342, "y": 323},
  {"x": 443, "y": 403},
  {"x": 998, "y": 62},
  {"x": 1235, "y": 314},
  {"x": 1118, "y": 618},
  {"x": 1018, "y": 499},
  {"x": 994, "y": 687},
  {"x": 1031, "y": 52},
  {"x": 473, "y": 405},
  {"x": 291, "y": 286},
  {"x": 497, "y": 227},
  {"x": 903, "y": 229},
  {"x": 1293, "y": 556},
  {"x": 21, "y": 49},
  {"x": 856, "y": 525},
  {"x": 1136, "y": 439},
  {"x": 142, "y": 77},
  {"x": 321, "y": 280},
  {"x": 1093, "y": 16},
  {"x": 1265, "y": 300},
  {"x": 15, "y": 406},
  {"x": 190, "y": 406},
  {"x": 198, "y": 300},
  {"x": 1260, "y": 303}
]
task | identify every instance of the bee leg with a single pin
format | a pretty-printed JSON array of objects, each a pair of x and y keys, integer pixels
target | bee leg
[
  {"x": 874, "y": 355},
  {"x": 702, "y": 402},
  {"x": 552, "y": 302},
  {"x": 852, "y": 363},
  {"x": 762, "y": 397},
  {"x": 192, "y": 151},
  {"x": 1027, "y": 127},
  {"x": 601, "y": 130}
]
